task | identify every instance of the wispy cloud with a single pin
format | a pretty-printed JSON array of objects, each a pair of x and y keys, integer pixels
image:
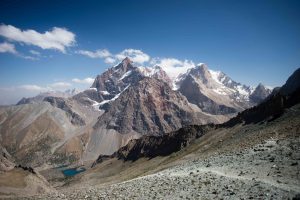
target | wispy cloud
[
  {"x": 32, "y": 88},
  {"x": 172, "y": 66},
  {"x": 83, "y": 81},
  {"x": 60, "y": 85},
  {"x": 36, "y": 53},
  {"x": 135, "y": 55},
  {"x": 100, "y": 53},
  {"x": 57, "y": 38},
  {"x": 8, "y": 48},
  {"x": 109, "y": 60}
]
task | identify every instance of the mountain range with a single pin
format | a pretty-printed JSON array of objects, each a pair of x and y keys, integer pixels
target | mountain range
[
  {"x": 200, "y": 128},
  {"x": 125, "y": 102}
]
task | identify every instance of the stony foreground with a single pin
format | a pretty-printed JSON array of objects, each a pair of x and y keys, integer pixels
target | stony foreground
[{"x": 266, "y": 171}]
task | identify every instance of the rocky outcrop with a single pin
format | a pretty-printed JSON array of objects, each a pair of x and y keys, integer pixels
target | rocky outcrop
[
  {"x": 259, "y": 94},
  {"x": 62, "y": 103},
  {"x": 152, "y": 146},
  {"x": 25, "y": 168},
  {"x": 6, "y": 160}
]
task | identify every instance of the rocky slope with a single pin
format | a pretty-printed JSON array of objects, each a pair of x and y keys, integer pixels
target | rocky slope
[
  {"x": 6, "y": 160},
  {"x": 40, "y": 133}
]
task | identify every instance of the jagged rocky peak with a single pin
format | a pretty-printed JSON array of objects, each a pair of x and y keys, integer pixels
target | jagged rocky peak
[
  {"x": 202, "y": 73},
  {"x": 114, "y": 74},
  {"x": 155, "y": 72},
  {"x": 160, "y": 74},
  {"x": 260, "y": 93}
]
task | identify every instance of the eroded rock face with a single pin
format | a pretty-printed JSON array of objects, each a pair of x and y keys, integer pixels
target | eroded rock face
[
  {"x": 6, "y": 160},
  {"x": 149, "y": 107},
  {"x": 63, "y": 104}
]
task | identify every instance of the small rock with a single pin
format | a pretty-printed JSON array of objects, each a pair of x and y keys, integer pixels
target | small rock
[
  {"x": 297, "y": 197},
  {"x": 294, "y": 164}
]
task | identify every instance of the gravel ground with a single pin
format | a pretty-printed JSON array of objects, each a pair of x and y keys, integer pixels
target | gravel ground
[{"x": 266, "y": 171}]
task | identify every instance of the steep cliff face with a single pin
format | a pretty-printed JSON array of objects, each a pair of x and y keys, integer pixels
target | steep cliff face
[{"x": 151, "y": 107}]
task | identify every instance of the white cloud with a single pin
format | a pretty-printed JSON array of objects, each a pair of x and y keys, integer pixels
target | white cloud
[
  {"x": 83, "y": 81},
  {"x": 57, "y": 38},
  {"x": 8, "y": 48},
  {"x": 109, "y": 60},
  {"x": 32, "y": 88},
  {"x": 36, "y": 53},
  {"x": 60, "y": 85},
  {"x": 100, "y": 53},
  {"x": 137, "y": 56},
  {"x": 172, "y": 66}
]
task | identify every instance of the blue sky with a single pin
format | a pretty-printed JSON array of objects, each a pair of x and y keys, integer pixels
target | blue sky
[{"x": 251, "y": 41}]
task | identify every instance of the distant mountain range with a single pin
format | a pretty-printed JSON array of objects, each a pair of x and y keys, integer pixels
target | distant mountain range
[
  {"x": 124, "y": 102},
  {"x": 41, "y": 96}
]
